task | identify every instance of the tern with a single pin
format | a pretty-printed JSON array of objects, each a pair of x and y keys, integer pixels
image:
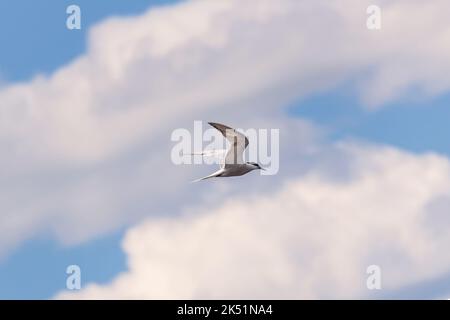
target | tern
[{"x": 232, "y": 163}]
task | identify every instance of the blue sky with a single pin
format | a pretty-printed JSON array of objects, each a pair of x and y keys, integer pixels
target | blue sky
[
  {"x": 37, "y": 269},
  {"x": 417, "y": 125},
  {"x": 35, "y": 41}
]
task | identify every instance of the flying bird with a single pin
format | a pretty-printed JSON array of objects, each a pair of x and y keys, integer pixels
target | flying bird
[{"x": 232, "y": 160}]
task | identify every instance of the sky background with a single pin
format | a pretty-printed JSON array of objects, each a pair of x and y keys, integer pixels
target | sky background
[
  {"x": 321, "y": 102},
  {"x": 37, "y": 42}
]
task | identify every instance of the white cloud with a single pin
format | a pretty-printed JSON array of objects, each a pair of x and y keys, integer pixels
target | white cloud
[
  {"x": 79, "y": 149},
  {"x": 314, "y": 238}
]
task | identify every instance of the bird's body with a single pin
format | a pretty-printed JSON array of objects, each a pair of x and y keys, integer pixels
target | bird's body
[
  {"x": 232, "y": 163},
  {"x": 237, "y": 170}
]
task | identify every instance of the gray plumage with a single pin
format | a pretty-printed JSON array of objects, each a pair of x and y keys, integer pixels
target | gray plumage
[{"x": 232, "y": 163}]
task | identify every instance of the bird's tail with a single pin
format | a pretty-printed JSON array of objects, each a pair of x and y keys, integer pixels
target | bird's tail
[
  {"x": 197, "y": 180},
  {"x": 215, "y": 174}
]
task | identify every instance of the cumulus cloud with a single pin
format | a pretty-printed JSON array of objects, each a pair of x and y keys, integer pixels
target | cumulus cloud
[
  {"x": 83, "y": 150},
  {"x": 313, "y": 238}
]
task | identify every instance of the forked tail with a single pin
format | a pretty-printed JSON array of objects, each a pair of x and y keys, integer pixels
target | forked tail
[{"x": 213, "y": 175}]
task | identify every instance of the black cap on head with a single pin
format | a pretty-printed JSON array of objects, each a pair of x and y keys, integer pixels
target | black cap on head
[{"x": 254, "y": 164}]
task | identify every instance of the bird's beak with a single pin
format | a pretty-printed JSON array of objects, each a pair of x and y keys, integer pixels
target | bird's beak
[{"x": 262, "y": 168}]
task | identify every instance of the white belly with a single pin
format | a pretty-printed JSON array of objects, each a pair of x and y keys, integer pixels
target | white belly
[{"x": 236, "y": 170}]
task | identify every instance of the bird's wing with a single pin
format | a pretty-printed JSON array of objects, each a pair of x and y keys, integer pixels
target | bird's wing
[
  {"x": 238, "y": 143},
  {"x": 218, "y": 154},
  {"x": 212, "y": 175}
]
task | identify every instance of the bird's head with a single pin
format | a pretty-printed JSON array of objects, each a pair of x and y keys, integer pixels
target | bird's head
[{"x": 255, "y": 166}]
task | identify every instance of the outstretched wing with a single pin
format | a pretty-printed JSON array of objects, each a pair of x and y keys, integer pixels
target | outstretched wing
[
  {"x": 238, "y": 143},
  {"x": 214, "y": 153}
]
